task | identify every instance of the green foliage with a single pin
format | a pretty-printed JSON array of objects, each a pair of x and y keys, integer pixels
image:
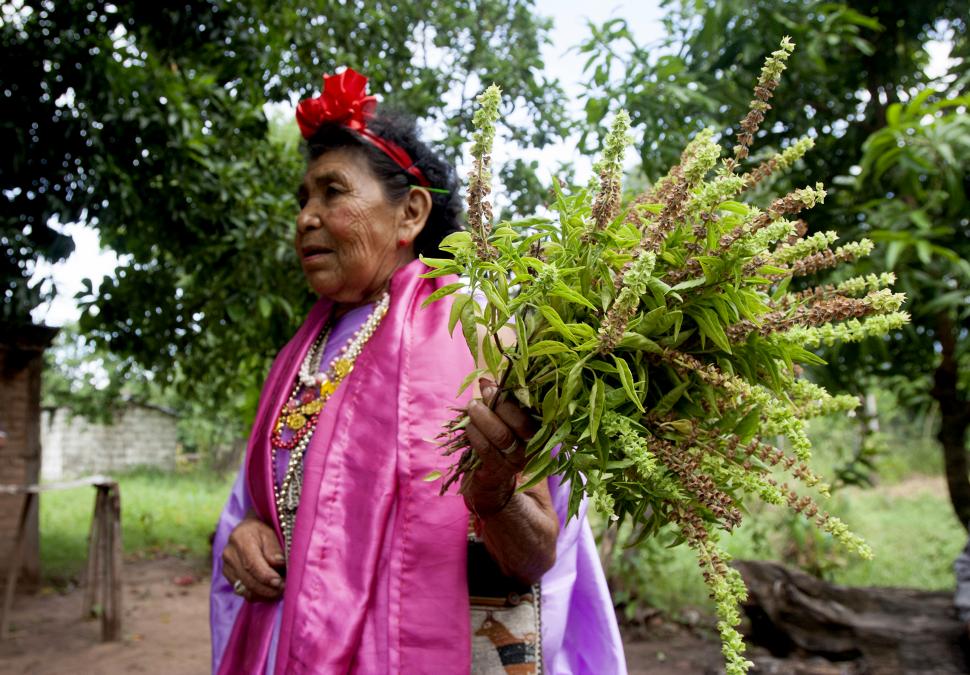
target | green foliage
[
  {"x": 907, "y": 504},
  {"x": 91, "y": 381},
  {"x": 87, "y": 380},
  {"x": 147, "y": 122},
  {"x": 161, "y": 514},
  {"x": 658, "y": 342},
  {"x": 923, "y": 230},
  {"x": 857, "y": 59}
]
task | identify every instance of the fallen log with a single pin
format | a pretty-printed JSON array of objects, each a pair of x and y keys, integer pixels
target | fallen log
[{"x": 882, "y": 630}]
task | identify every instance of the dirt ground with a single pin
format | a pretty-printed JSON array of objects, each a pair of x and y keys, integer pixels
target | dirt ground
[
  {"x": 165, "y": 627},
  {"x": 166, "y": 630}
]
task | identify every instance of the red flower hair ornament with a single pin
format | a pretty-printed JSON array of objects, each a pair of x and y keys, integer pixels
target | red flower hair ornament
[{"x": 345, "y": 101}]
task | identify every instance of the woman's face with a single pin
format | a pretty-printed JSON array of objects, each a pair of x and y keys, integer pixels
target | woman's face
[{"x": 348, "y": 234}]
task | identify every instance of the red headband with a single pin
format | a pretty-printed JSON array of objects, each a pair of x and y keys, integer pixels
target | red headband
[{"x": 345, "y": 101}]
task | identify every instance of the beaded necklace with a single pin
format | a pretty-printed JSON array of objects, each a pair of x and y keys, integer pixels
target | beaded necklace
[{"x": 298, "y": 418}]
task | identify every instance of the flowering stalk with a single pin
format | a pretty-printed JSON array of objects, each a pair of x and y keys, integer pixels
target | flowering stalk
[
  {"x": 767, "y": 82},
  {"x": 480, "y": 178},
  {"x": 780, "y": 162},
  {"x": 606, "y": 204}
]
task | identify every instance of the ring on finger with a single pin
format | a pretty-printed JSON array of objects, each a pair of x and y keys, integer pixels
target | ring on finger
[{"x": 238, "y": 587}]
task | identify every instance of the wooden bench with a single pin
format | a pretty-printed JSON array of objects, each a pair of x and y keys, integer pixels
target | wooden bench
[{"x": 102, "y": 577}]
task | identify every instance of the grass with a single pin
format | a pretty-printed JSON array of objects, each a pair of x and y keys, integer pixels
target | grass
[
  {"x": 161, "y": 513},
  {"x": 906, "y": 518},
  {"x": 914, "y": 540}
]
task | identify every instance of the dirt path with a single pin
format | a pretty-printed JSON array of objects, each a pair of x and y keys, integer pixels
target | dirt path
[
  {"x": 166, "y": 631},
  {"x": 165, "y": 627}
]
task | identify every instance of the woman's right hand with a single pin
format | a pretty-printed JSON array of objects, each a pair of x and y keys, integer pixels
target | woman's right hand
[{"x": 250, "y": 556}]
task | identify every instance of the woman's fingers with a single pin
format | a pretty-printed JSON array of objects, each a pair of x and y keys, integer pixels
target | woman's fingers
[
  {"x": 493, "y": 428},
  {"x": 249, "y": 557},
  {"x": 509, "y": 411},
  {"x": 516, "y": 418},
  {"x": 272, "y": 551}
]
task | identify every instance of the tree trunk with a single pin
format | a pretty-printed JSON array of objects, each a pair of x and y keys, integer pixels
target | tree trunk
[
  {"x": 954, "y": 421},
  {"x": 877, "y": 631}
]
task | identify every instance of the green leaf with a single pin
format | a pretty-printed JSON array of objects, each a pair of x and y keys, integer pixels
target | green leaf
[
  {"x": 563, "y": 291},
  {"x": 265, "y": 306},
  {"x": 667, "y": 402},
  {"x": 652, "y": 320},
  {"x": 457, "y": 240},
  {"x": 678, "y": 318},
  {"x": 552, "y": 317},
  {"x": 550, "y": 405},
  {"x": 746, "y": 428},
  {"x": 494, "y": 299},
  {"x": 559, "y": 436},
  {"x": 893, "y": 252},
  {"x": 546, "y": 347},
  {"x": 637, "y": 342},
  {"x": 456, "y": 309},
  {"x": 626, "y": 379},
  {"x": 442, "y": 272},
  {"x": 710, "y": 327},
  {"x": 469, "y": 327},
  {"x": 438, "y": 263},
  {"x": 573, "y": 383},
  {"x": 597, "y": 396},
  {"x": 797, "y": 353},
  {"x": 432, "y": 476},
  {"x": 442, "y": 292},
  {"x": 471, "y": 377},
  {"x": 690, "y": 283},
  {"x": 493, "y": 357},
  {"x": 540, "y": 466},
  {"x": 522, "y": 339}
]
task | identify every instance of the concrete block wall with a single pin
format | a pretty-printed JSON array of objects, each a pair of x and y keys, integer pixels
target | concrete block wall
[{"x": 138, "y": 436}]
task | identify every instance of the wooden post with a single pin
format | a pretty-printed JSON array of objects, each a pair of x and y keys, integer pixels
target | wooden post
[
  {"x": 103, "y": 572},
  {"x": 112, "y": 552},
  {"x": 30, "y": 500},
  {"x": 92, "y": 568}
]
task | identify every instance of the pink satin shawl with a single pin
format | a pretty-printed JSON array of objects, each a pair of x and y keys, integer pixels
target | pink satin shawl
[{"x": 376, "y": 580}]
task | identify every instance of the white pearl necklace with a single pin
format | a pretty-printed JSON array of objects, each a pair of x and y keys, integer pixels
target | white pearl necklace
[{"x": 287, "y": 494}]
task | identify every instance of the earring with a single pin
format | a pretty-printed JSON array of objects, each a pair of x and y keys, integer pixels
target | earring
[{"x": 401, "y": 243}]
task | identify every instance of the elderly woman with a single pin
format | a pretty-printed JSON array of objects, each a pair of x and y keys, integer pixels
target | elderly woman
[{"x": 334, "y": 554}]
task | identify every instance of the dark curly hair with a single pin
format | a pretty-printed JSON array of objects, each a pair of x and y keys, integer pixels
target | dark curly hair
[{"x": 399, "y": 128}]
